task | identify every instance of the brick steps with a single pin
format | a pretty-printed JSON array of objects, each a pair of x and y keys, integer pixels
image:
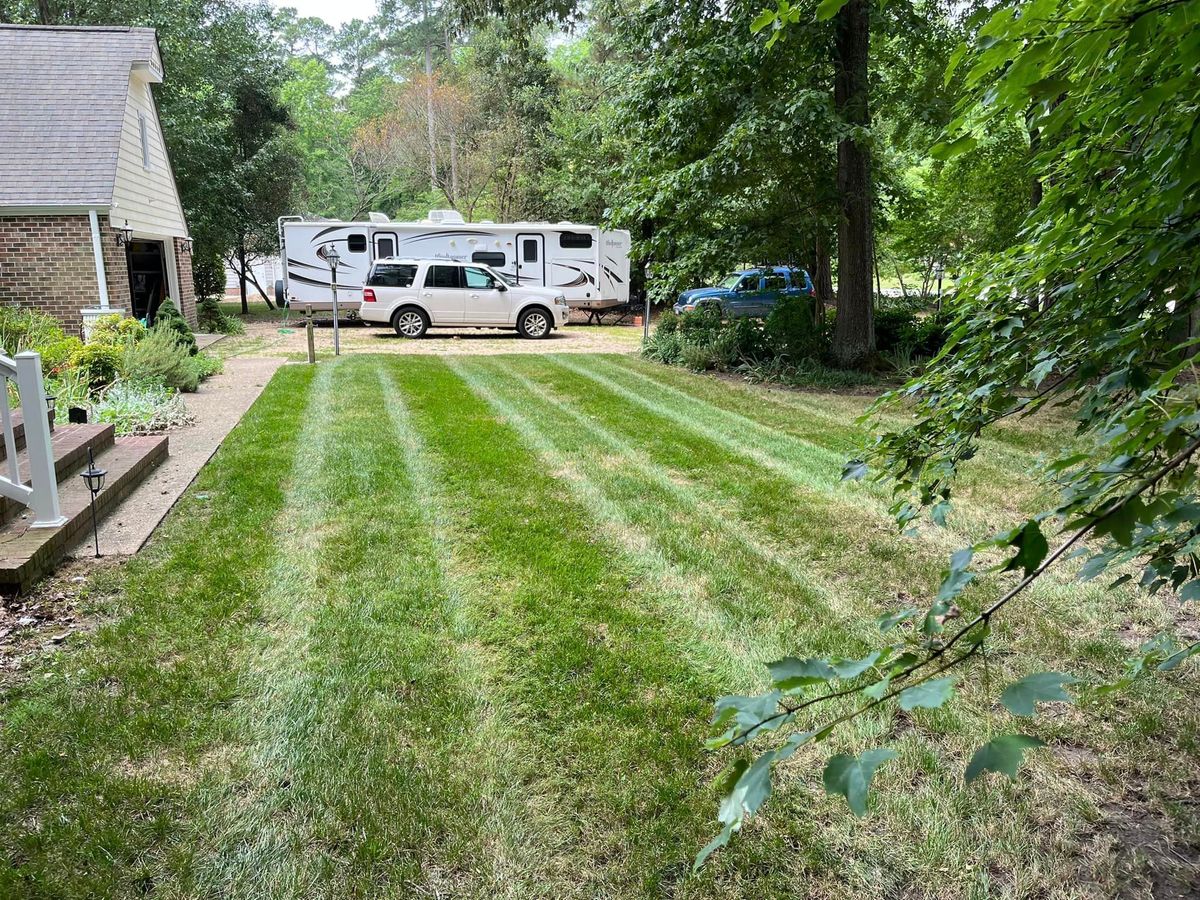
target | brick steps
[
  {"x": 18, "y": 424},
  {"x": 69, "y": 445},
  {"x": 26, "y": 554}
]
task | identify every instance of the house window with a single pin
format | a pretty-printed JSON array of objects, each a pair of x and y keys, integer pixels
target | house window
[
  {"x": 145, "y": 135},
  {"x": 488, "y": 258},
  {"x": 574, "y": 240},
  {"x": 356, "y": 243}
]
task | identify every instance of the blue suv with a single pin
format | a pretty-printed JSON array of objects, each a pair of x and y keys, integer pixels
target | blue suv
[{"x": 753, "y": 292}]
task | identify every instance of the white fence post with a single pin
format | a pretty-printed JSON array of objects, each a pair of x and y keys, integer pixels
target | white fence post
[{"x": 42, "y": 477}]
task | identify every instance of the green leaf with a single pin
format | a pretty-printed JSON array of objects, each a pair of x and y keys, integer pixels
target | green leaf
[
  {"x": 956, "y": 578},
  {"x": 852, "y": 668},
  {"x": 1002, "y": 754},
  {"x": 1021, "y": 697},
  {"x": 928, "y": 695},
  {"x": 955, "y": 58},
  {"x": 790, "y": 672},
  {"x": 854, "y": 470},
  {"x": 762, "y": 20},
  {"x": 851, "y": 776},
  {"x": 827, "y": 9},
  {"x": 1031, "y": 545},
  {"x": 744, "y": 788},
  {"x": 1176, "y": 658},
  {"x": 891, "y": 620},
  {"x": 1190, "y": 591},
  {"x": 950, "y": 149}
]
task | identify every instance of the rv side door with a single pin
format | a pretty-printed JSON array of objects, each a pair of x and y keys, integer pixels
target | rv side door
[
  {"x": 531, "y": 259},
  {"x": 385, "y": 244}
]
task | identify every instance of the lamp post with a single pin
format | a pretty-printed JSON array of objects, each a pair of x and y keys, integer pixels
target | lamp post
[
  {"x": 94, "y": 479},
  {"x": 939, "y": 270},
  {"x": 333, "y": 258},
  {"x": 51, "y": 400}
]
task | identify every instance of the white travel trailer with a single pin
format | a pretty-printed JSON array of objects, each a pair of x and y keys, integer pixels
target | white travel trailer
[{"x": 590, "y": 266}]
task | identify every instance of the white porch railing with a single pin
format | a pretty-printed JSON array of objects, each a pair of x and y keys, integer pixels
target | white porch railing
[{"x": 41, "y": 494}]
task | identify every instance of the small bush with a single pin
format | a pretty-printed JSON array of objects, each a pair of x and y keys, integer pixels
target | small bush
[
  {"x": 140, "y": 408},
  {"x": 899, "y": 327},
  {"x": 99, "y": 363},
  {"x": 70, "y": 388},
  {"x": 214, "y": 321},
  {"x": 205, "y": 365},
  {"x": 27, "y": 329},
  {"x": 664, "y": 346},
  {"x": 160, "y": 358},
  {"x": 56, "y": 356},
  {"x": 170, "y": 318},
  {"x": 117, "y": 330},
  {"x": 791, "y": 332},
  {"x": 668, "y": 322}
]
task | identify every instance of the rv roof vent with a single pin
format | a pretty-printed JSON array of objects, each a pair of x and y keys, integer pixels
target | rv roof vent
[
  {"x": 378, "y": 217},
  {"x": 445, "y": 216}
]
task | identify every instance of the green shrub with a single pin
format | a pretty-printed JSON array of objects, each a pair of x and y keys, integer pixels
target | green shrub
[
  {"x": 664, "y": 346},
  {"x": 171, "y": 319},
  {"x": 668, "y": 322},
  {"x": 160, "y": 358},
  {"x": 140, "y": 408},
  {"x": 27, "y": 329},
  {"x": 205, "y": 365},
  {"x": 70, "y": 388},
  {"x": 99, "y": 363},
  {"x": 900, "y": 327},
  {"x": 790, "y": 331},
  {"x": 56, "y": 355},
  {"x": 214, "y": 321},
  {"x": 117, "y": 330}
]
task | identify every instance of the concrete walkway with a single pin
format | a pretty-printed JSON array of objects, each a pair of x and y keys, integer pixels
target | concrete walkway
[{"x": 219, "y": 404}]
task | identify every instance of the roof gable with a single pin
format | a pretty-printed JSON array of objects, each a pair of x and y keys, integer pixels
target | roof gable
[{"x": 63, "y": 94}]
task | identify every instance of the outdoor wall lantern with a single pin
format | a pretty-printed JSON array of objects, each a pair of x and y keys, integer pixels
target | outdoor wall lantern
[
  {"x": 94, "y": 479},
  {"x": 334, "y": 258},
  {"x": 124, "y": 235},
  {"x": 188, "y": 243}
]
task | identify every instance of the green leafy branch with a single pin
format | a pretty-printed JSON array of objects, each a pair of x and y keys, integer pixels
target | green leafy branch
[{"x": 914, "y": 680}]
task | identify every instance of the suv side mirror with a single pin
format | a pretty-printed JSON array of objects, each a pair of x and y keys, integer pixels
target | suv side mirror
[{"x": 501, "y": 286}]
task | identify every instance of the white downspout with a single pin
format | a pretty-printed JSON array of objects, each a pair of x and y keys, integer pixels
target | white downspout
[{"x": 98, "y": 253}]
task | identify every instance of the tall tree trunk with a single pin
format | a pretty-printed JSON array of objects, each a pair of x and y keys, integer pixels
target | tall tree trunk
[
  {"x": 854, "y": 333},
  {"x": 45, "y": 13},
  {"x": 453, "y": 136},
  {"x": 429, "y": 102},
  {"x": 823, "y": 278},
  {"x": 242, "y": 273}
]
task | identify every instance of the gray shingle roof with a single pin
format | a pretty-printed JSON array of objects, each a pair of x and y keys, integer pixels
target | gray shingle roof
[{"x": 62, "y": 103}]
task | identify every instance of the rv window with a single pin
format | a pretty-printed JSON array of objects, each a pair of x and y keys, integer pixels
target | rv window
[
  {"x": 574, "y": 240},
  {"x": 385, "y": 247},
  {"x": 393, "y": 276},
  {"x": 443, "y": 277},
  {"x": 478, "y": 279},
  {"x": 529, "y": 250},
  {"x": 488, "y": 258},
  {"x": 356, "y": 243}
]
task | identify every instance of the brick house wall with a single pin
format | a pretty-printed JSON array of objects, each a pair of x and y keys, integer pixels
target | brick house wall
[
  {"x": 187, "y": 287},
  {"x": 47, "y": 262}
]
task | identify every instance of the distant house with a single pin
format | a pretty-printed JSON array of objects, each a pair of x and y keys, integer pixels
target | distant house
[{"x": 90, "y": 218}]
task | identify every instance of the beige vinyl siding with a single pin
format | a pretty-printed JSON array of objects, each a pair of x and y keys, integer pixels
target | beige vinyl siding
[{"x": 147, "y": 197}]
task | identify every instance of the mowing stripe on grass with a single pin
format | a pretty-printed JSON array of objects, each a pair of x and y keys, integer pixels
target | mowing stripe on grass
[
  {"x": 515, "y": 830},
  {"x": 352, "y": 712},
  {"x": 615, "y": 713}
]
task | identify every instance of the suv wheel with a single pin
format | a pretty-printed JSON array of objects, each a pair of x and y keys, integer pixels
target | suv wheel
[
  {"x": 535, "y": 323},
  {"x": 410, "y": 322}
]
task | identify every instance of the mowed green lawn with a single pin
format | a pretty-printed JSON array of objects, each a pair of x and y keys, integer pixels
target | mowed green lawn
[{"x": 453, "y": 627}]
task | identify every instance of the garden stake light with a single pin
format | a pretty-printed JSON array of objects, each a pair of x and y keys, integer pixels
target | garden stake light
[{"x": 94, "y": 479}]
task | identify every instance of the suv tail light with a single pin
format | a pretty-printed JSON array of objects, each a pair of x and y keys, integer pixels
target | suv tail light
[{"x": 368, "y": 295}]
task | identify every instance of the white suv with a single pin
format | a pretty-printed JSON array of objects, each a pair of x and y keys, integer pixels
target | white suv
[{"x": 414, "y": 295}]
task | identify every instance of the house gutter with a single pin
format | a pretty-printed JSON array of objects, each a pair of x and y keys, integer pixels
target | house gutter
[{"x": 98, "y": 253}]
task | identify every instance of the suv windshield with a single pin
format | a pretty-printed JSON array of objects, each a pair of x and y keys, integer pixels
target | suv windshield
[{"x": 729, "y": 282}]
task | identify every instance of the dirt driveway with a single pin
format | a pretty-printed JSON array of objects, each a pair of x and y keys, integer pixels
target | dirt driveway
[{"x": 277, "y": 336}]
